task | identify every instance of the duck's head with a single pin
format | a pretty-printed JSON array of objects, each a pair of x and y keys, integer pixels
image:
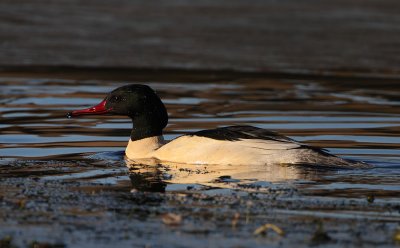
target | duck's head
[{"x": 137, "y": 101}]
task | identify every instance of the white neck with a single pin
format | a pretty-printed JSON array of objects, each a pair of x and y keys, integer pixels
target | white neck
[{"x": 144, "y": 147}]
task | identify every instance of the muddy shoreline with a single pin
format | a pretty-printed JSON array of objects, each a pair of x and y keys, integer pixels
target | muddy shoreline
[{"x": 70, "y": 214}]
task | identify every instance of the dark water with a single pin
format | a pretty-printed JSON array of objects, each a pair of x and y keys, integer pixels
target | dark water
[
  {"x": 359, "y": 120},
  {"x": 65, "y": 182}
]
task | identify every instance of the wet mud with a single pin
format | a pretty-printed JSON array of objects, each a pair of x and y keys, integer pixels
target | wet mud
[{"x": 71, "y": 213}]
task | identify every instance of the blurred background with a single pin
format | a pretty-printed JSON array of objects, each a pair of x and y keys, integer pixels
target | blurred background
[{"x": 311, "y": 36}]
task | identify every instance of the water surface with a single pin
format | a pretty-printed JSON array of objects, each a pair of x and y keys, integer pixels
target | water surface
[
  {"x": 354, "y": 120},
  {"x": 66, "y": 181}
]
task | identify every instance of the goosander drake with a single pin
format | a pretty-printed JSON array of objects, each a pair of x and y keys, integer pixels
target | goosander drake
[{"x": 233, "y": 145}]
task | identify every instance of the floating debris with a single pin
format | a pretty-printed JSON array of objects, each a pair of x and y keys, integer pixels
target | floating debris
[
  {"x": 320, "y": 236},
  {"x": 36, "y": 244},
  {"x": 262, "y": 229},
  {"x": 172, "y": 219},
  {"x": 22, "y": 203},
  {"x": 6, "y": 242},
  {"x": 396, "y": 236},
  {"x": 235, "y": 220}
]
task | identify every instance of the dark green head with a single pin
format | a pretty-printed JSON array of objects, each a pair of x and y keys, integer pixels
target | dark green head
[{"x": 137, "y": 101}]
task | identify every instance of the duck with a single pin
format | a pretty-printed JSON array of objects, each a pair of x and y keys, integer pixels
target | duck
[{"x": 231, "y": 145}]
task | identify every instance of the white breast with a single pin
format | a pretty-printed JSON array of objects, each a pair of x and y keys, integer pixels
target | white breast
[{"x": 143, "y": 148}]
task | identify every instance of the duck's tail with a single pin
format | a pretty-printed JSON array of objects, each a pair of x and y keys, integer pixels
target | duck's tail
[{"x": 319, "y": 157}]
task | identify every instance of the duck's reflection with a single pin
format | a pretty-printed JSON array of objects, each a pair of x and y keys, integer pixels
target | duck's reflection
[
  {"x": 153, "y": 175},
  {"x": 147, "y": 180}
]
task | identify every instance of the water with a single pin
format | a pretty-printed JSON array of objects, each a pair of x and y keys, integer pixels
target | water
[
  {"x": 67, "y": 175},
  {"x": 354, "y": 120}
]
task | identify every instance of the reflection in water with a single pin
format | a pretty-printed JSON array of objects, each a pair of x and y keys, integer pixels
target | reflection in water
[
  {"x": 147, "y": 178},
  {"x": 153, "y": 175}
]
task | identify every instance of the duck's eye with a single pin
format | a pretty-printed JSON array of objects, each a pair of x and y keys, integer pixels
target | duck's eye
[{"x": 115, "y": 99}]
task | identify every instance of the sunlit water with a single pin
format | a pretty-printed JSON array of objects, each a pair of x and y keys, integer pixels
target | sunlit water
[{"x": 354, "y": 120}]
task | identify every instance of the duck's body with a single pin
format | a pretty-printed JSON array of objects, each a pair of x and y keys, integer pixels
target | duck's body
[{"x": 235, "y": 145}]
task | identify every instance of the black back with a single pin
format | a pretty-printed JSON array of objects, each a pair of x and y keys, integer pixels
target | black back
[{"x": 235, "y": 133}]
